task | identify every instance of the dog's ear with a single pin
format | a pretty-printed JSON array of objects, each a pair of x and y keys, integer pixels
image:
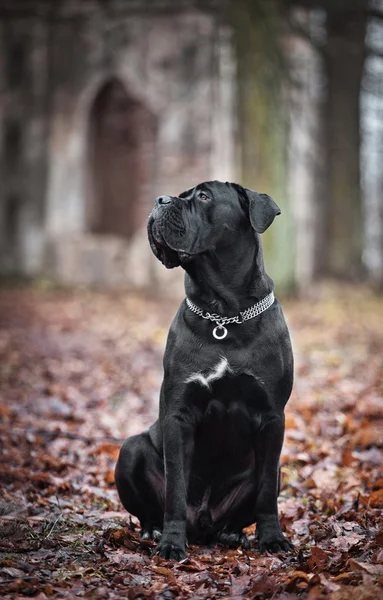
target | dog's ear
[{"x": 262, "y": 210}]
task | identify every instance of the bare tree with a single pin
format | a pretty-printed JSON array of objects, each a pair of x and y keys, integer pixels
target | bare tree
[{"x": 343, "y": 51}]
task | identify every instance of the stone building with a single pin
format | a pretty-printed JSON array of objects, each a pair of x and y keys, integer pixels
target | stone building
[{"x": 103, "y": 106}]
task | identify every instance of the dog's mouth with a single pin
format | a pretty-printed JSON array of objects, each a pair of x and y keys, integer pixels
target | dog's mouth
[{"x": 160, "y": 248}]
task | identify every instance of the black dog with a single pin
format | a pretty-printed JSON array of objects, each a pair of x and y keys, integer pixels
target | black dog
[{"x": 210, "y": 465}]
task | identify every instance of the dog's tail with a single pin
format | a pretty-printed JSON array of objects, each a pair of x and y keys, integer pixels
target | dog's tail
[{"x": 204, "y": 519}]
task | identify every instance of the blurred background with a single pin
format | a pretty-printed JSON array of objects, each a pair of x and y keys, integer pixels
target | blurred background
[{"x": 106, "y": 104}]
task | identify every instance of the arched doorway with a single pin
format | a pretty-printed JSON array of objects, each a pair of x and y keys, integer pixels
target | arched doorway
[{"x": 121, "y": 142}]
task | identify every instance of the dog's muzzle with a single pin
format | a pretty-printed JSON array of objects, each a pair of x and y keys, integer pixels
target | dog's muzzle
[
  {"x": 166, "y": 255},
  {"x": 167, "y": 231}
]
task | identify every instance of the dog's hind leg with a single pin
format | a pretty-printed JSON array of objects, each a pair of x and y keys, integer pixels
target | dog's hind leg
[{"x": 140, "y": 483}]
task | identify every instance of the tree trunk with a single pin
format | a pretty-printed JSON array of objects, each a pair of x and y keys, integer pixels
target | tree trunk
[
  {"x": 340, "y": 254},
  {"x": 262, "y": 125}
]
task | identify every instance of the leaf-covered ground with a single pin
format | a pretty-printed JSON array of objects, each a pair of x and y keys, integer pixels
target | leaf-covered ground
[{"x": 79, "y": 371}]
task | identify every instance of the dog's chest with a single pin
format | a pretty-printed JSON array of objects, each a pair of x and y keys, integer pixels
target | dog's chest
[
  {"x": 209, "y": 377},
  {"x": 226, "y": 383},
  {"x": 231, "y": 404}
]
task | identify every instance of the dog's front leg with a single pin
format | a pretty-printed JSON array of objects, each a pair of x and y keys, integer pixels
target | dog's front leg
[
  {"x": 178, "y": 447},
  {"x": 269, "y": 446}
]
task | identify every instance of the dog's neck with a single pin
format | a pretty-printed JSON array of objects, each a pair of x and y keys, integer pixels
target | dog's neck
[{"x": 229, "y": 281}]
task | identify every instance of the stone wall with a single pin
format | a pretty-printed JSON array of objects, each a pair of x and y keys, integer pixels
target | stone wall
[
  {"x": 23, "y": 141},
  {"x": 171, "y": 125}
]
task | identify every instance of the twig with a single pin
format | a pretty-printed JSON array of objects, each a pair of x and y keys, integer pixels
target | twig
[{"x": 54, "y": 525}]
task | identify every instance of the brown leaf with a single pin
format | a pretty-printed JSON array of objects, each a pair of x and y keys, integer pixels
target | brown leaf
[
  {"x": 343, "y": 577},
  {"x": 5, "y": 411},
  {"x": 325, "y": 479},
  {"x": 370, "y": 435},
  {"x": 299, "y": 576},
  {"x": 122, "y": 537},
  {"x": 347, "y": 457},
  {"x": 345, "y": 542},
  {"x": 318, "y": 559},
  {"x": 165, "y": 572},
  {"x": 11, "y": 572},
  {"x": 361, "y": 592},
  {"x": 290, "y": 422},
  {"x": 109, "y": 477},
  {"x": 189, "y": 564},
  {"x": 317, "y": 593},
  {"x": 329, "y": 585},
  {"x": 356, "y": 565},
  {"x": 109, "y": 448},
  {"x": 376, "y": 499},
  {"x": 264, "y": 584}
]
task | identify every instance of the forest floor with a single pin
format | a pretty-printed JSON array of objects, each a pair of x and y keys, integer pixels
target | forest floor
[{"x": 79, "y": 371}]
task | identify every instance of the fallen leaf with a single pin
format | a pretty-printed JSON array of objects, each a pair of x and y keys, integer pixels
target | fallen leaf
[
  {"x": 376, "y": 499},
  {"x": 358, "y": 593},
  {"x": 356, "y": 565},
  {"x": 318, "y": 559}
]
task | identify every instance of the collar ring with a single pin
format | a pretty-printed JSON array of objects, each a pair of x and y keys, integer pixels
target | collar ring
[{"x": 223, "y": 330}]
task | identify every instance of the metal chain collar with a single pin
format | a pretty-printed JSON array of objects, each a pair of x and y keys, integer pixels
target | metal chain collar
[{"x": 245, "y": 315}]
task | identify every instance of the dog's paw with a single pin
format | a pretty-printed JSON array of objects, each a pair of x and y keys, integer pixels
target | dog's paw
[
  {"x": 233, "y": 539},
  {"x": 274, "y": 543},
  {"x": 170, "y": 550},
  {"x": 151, "y": 534}
]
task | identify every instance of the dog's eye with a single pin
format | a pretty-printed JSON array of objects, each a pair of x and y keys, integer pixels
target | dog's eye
[{"x": 203, "y": 196}]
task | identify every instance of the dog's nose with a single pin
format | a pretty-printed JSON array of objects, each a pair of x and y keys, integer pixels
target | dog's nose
[{"x": 164, "y": 200}]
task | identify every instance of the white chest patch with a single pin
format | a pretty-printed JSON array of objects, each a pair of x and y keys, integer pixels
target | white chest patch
[{"x": 216, "y": 373}]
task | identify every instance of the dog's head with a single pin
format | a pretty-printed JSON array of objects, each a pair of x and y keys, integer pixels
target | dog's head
[{"x": 209, "y": 216}]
